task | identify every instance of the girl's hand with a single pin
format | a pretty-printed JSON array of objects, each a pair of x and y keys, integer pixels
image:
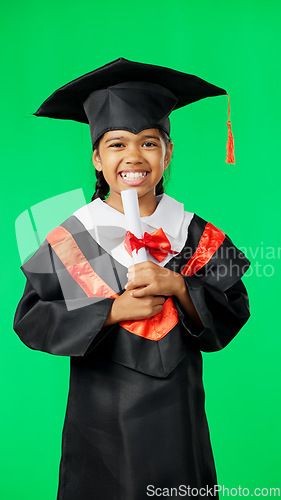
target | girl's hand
[
  {"x": 125, "y": 307},
  {"x": 148, "y": 278}
]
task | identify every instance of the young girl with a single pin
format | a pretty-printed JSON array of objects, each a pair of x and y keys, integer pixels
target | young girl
[{"x": 135, "y": 423}]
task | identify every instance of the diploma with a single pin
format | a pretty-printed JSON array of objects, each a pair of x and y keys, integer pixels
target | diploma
[{"x": 132, "y": 213}]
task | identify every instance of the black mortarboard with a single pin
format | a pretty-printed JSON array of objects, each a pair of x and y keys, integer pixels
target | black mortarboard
[{"x": 127, "y": 95}]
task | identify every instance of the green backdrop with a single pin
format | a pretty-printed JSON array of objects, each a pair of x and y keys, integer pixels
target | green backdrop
[{"x": 234, "y": 45}]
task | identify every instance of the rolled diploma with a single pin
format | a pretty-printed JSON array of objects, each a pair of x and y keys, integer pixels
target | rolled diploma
[{"x": 132, "y": 212}]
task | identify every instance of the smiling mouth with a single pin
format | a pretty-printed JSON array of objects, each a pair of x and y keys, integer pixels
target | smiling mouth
[{"x": 129, "y": 175}]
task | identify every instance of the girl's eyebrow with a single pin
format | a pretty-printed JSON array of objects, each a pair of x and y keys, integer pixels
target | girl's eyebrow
[
  {"x": 151, "y": 137},
  {"x": 114, "y": 139},
  {"x": 143, "y": 137}
]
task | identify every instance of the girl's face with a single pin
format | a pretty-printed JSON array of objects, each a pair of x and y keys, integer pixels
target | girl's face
[{"x": 130, "y": 160}]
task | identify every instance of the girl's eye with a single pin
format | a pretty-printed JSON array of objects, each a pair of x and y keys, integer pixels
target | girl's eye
[
  {"x": 150, "y": 143},
  {"x": 121, "y": 145}
]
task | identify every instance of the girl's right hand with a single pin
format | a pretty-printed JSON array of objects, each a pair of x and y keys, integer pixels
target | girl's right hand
[{"x": 125, "y": 307}]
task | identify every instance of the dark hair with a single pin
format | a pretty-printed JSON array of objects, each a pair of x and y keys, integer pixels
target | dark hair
[{"x": 102, "y": 187}]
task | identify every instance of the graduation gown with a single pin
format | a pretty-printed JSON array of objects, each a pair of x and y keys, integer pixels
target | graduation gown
[{"x": 135, "y": 413}]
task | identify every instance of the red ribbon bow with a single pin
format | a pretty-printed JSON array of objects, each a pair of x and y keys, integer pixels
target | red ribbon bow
[{"x": 156, "y": 243}]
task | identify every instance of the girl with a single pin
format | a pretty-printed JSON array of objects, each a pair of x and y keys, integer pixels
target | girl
[{"x": 135, "y": 422}]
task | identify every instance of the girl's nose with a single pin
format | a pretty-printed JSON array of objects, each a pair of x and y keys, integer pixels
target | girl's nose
[{"x": 133, "y": 157}]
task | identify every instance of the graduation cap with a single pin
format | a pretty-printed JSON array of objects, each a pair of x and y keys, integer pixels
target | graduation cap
[{"x": 128, "y": 95}]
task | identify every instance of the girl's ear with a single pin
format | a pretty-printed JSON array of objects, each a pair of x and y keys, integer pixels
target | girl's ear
[
  {"x": 168, "y": 155},
  {"x": 96, "y": 160}
]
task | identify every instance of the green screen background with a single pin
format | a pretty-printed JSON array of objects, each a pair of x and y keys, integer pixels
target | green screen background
[{"x": 234, "y": 45}]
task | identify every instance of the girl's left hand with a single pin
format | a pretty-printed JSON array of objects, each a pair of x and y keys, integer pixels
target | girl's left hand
[{"x": 148, "y": 278}]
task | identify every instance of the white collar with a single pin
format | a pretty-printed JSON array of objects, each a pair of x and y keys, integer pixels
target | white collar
[{"x": 169, "y": 215}]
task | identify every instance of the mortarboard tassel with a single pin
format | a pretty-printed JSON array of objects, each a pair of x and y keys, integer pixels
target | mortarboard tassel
[{"x": 230, "y": 142}]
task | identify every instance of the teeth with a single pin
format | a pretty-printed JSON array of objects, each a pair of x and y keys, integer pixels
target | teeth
[{"x": 133, "y": 175}]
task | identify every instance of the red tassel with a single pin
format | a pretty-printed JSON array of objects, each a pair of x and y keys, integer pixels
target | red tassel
[{"x": 230, "y": 142}]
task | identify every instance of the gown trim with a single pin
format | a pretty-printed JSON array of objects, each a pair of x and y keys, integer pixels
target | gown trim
[
  {"x": 67, "y": 250},
  {"x": 210, "y": 241}
]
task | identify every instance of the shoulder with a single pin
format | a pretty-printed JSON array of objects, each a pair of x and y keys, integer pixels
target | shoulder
[
  {"x": 200, "y": 228},
  {"x": 214, "y": 256},
  {"x": 208, "y": 235},
  {"x": 68, "y": 228},
  {"x": 205, "y": 236},
  {"x": 41, "y": 257}
]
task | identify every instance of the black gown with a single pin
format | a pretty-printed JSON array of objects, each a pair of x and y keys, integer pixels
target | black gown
[{"x": 135, "y": 418}]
